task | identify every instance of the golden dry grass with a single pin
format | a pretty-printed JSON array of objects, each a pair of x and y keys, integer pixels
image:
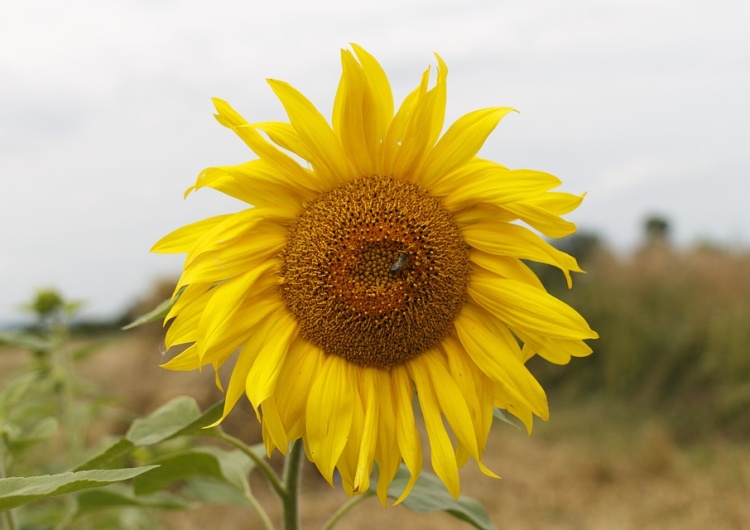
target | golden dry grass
[{"x": 591, "y": 467}]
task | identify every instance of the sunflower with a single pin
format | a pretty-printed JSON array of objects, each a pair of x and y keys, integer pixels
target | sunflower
[{"x": 379, "y": 261}]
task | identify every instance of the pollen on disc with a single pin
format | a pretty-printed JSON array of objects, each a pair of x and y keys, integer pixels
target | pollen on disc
[{"x": 375, "y": 271}]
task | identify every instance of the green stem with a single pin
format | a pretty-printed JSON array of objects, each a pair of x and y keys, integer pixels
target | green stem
[
  {"x": 267, "y": 524},
  {"x": 351, "y": 503},
  {"x": 65, "y": 365},
  {"x": 11, "y": 521},
  {"x": 260, "y": 462},
  {"x": 292, "y": 467}
]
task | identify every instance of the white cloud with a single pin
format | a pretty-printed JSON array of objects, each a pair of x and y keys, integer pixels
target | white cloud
[{"x": 105, "y": 115}]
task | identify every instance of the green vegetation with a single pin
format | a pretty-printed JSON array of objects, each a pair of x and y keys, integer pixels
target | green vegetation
[{"x": 674, "y": 335}]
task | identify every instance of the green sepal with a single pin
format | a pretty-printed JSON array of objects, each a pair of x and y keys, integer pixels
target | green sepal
[{"x": 501, "y": 415}]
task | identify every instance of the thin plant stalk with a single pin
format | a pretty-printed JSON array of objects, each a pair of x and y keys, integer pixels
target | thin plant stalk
[
  {"x": 351, "y": 503},
  {"x": 260, "y": 462},
  {"x": 292, "y": 476},
  {"x": 267, "y": 524},
  {"x": 10, "y": 520}
]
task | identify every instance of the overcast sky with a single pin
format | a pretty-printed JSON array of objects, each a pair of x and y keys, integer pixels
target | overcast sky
[{"x": 105, "y": 114}]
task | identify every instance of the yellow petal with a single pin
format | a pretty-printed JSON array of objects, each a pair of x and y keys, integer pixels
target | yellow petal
[
  {"x": 407, "y": 435},
  {"x": 302, "y": 363},
  {"x": 548, "y": 223},
  {"x": 495, "y": 355},
  {"x": 460, "y": 143},
  {"x": 386, "y": 453},
  {"x": 370, "y": 392},
  {"x": 250, "y": 315},
  {"x": 481, "y": 215},
  {"x": 258, "y": 183},
  {"x": 226, "y": 299},
  {"x": 489, "y": 183},
  {"x": 518, "y": 242},
  {"x": 274, "y": 433},
  {"x": 524, "y": 307},
  {"x": 227, "y": 261},
  {"x": 396, "y": 137},
  {"x": 232, "y": 227},
  {"x": 285, "y": 136},
  {"x": 347, "y": 463},
  {"x": 329, "y": 414},
  {"x": 236, "y": 387},
  {"x": 474, "y": 386},
  {"x": 557, "y": 202},
  {"x": 286, "y": 165},
  {"x": 185, "y": 315},
  {"x": 349, "y": 120},
  {"x": 328, "y": 157},
  {"x": 507, "y": 267},
  {"x": 450, "y": 399},
  {"x": 422, "y": 128},
  {"x": 454, "y": 406},
  {"x": 442, "y": 455},
  {"x": 554, "y": 350},
  {"x": 505, "y": 401},
  {"x": 185, "y": 361},
  {"x": 379, "y": 111},
  {"x": 261, "y": 380},
  {"x": 183, "y": 239}
]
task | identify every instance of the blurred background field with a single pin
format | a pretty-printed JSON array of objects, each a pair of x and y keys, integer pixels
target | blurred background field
[{"x": 651, "y": 431}]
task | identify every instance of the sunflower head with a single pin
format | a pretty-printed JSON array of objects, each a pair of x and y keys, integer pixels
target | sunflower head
[
  {"x": 380, "y": 261},
  {"x": 375, "y": 271}
]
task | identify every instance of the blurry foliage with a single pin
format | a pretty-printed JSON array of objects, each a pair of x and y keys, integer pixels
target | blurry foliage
[{"x": 674, "y": 334}]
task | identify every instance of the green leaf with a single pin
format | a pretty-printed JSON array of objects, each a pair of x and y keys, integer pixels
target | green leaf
[
  {"x": 15, "y": 491},
  {"x": 211, "y": 492},
  {"x": 198, "y": 426},
  {"x": 177, "y": 417},
  {"x": 429, "y": 495},
  {"x": 118, "y": 496},
  {"x": 236, "y": 465},
  {"x": 113, "y": 456},
  {"x": 26, "y": 341},
  {"x": 157, "y": 313},
  {"x": 230, "y": 467},
  {"x": 15, "y": 390},
  {"x": 40, "y": 431},
  {"x": 177, "y": 468}
]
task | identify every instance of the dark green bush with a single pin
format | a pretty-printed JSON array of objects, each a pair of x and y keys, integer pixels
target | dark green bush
[{"x": 674, "y": 335}]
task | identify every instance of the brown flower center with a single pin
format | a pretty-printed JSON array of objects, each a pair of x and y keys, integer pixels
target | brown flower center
[{"x": 375, "y": 271}]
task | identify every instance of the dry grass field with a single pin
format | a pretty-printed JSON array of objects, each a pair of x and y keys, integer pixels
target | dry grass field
[{"x": 594, "y": 466}]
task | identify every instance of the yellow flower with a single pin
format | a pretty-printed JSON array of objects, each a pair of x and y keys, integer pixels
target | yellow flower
[{"x": 380, "y": 261}]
